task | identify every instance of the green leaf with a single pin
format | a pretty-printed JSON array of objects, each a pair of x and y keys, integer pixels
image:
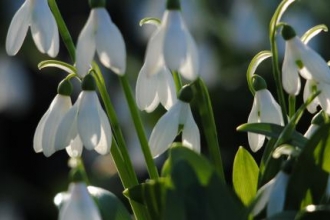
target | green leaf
[
  {"x": 274, "y": 131},
  {"x": 313, "y": 32},
  {"x": 257, "y": 59},
  {"x": 245, "y": 175},
  {"x": 198, "y": 162},
  {"x": 58, "y": 64}
]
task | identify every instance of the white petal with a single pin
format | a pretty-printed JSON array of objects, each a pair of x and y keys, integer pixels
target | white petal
[
  {"x": 290, "y": 76},
  {"x": 175, "y": 42},
  {"x": 190, "y": 133},
  {"x": 146, "y": 91},
  {"x": 18, "y": 29},
  {"x": 80, "y": 204},
  {"x": 270, "y": 110},
  {"x": 86, "y": 45},
  {"x": 110, "y": 44},
  {"x": 255, "y": 140},
  {"x": 59, "y": 107},
  {"x": 154, "y": 59},
  {"x": 277, "y": 195},
  {"x": 263, "y": 195},
  {"x": 166, "y": 88},
  {"x": 165, "y": 131},
  {"x": 43, "y": 26},
  {"x": 75, "y": 148},
  {"x": 324, "y": 97},
  {"x": 38, "y": 134},
  {"x": 311, "y": 130},
  {"x": 315, "y": 64},
  {"x": 312, "y": 107},
  {"x": 104, "y": 144},
  {"x": 67, "y": 128},
  {"x": 88, "y": 120},
  {"x": 190, "y": 68}
]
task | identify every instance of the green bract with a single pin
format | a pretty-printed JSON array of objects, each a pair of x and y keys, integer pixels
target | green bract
[
  {"x": 65, "y": 88},
  {"x": 97, "y": 3},
  {"x": 88, "y": 83}
]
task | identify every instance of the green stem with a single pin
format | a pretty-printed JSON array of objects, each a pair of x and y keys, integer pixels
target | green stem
[
  {"x": 152, "y": 169},
  {"x": 65, "y": 34},
  {"x": 292, "y": 105},
  {"x": 177, "y": 81},
  {"x": 119, "y": 151},
  {"x": 210, "y": 131}
]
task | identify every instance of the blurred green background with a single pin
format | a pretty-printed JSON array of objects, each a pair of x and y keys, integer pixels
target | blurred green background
[{"x": 228, "y": 34}]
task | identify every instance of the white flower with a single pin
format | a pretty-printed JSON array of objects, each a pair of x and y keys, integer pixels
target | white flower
[
  {"x": 102, "y": 35},
  {"x": 272, "y": 194},
  {"x": 299, "y": 57},
  {"x": 173, "y": 46},
  {"x": 266, "y": 110},
  {"x": 44, "y": 137},
  {"x": 86, "y": 123},
  {"x": 323, "y": 99},
  {"x": 167, "y": 127},
  {"x": 37, "y": 15},
  {"x": 154, "y": 89},
  {"x": 79, "y": 205}
]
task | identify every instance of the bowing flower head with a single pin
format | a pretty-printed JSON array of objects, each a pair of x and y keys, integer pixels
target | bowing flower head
[
  {"x": 37, "y": 15},
  {"x": 100, "y": 34}
]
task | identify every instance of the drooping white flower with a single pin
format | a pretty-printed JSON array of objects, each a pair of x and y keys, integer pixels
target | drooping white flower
[
  {"x": 86, "y": 123},
  {"x": 266, "y": 110},
  {"x": 37, "y": 15},
  {"x": 173, "y": 46},
  {"x": 323, "y": 99},
  {"x": 272, "y": 194},
  {"x": 44, "y": 136},
  {"x": 100, "y": 34},
  {"x": 79, "y": 205},
  {"x": 167, "y": 129},
  {"x": 154, "y": 89},
  {"x": 301, "y": 58}
]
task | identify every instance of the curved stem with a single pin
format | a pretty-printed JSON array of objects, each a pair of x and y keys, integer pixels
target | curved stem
[
  {"x": 210, "y": 130},
  {"x": 292, "y": 105},
  {"x": 64, "y": 32},
  {"x": 177, "y": 81},
  {"x": 152, "y": 169}
]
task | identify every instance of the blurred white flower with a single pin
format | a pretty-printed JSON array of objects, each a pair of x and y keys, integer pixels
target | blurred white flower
[
  {"x": 37, "y": 15},
  {"x": 80, "y": 205},
  {"x": 86, "y": 123},
  {"x": 44, "y": 136},
  {"x": 173, "y": 46},
  {"x": 300, "y": 58},
  {"x": 265, "y": 109},
  {"x": 272, "y": 194},
  {"x": 100, "y": 34},
  {"x": 323, "y": 99},
  {"x": 167, "y": 129}
]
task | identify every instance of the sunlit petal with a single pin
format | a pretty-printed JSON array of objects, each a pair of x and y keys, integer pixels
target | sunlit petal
[
  {"x": 324, "y": 97},
  {"x": 190, "y": 133},
  {"x": 88, "y": 120},
  {"x": 104, "y": 144},
  {"x": 110, "y": 44},
  {"x": 38, "y": 134},
  {"x": 86, "y": 46},
  {"x": 166, "y": 88},
  {"x": 175, "y": 42},
  {"x": 165, "y": 131},
  {"x": 270, "y": 110},
  {"x": 262, "y": 196},
  {"x": 75, "y": 148},
  {"x": 312, "y": 107},
  {"x": 154, "y": 59},
  {"x": 18, "y": 29},
  {"x": 290, "y": 76},
  {"x": 277, "y": 195}
]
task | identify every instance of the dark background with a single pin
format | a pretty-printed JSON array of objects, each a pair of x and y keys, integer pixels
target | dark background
[{"x": 228, "y": 35}]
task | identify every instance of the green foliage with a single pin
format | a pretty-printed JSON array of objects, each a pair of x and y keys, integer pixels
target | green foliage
[
  {"x": 245, "y": 176},
  {"x": 190, "y": 189}
]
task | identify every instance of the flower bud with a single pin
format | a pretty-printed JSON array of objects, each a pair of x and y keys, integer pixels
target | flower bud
[{"x": 88, "y": 83}]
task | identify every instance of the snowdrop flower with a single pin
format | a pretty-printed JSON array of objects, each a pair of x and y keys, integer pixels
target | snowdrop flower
[
  {"x": 102, "y": 35},
  {"x": 172, "y": 45},
  {"x": 323, "y": 99},
  {"x": 272, "y": 194},
  {"x": 80, "y": 205},
  {"x": 85, "y": 124},
  {"x": 265, "y": 109},
  {"x": 37, "y": 15},
  {"x": 44, "y": 136},
  {"x": 300, "y": 58},
  {"x": 154, "y": 89},
  {"x": 167, "y": 127}
]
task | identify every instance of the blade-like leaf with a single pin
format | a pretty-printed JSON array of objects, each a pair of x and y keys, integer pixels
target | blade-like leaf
[
  {"x": 313, "y": 32},
  {"x": 58, "y": 64},
  {"x": 245, "y": 175}
]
